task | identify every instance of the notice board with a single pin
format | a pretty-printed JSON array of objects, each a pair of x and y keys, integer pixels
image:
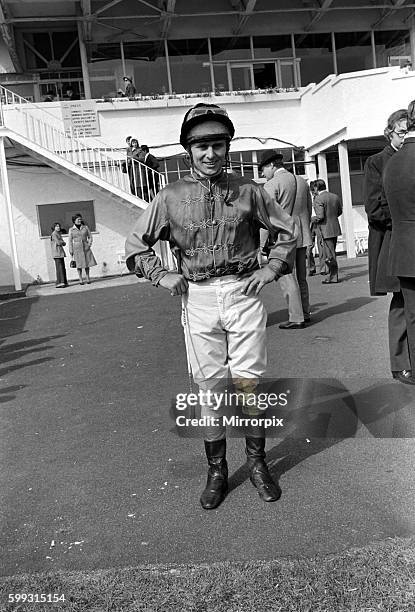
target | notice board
[{"x": 80, "y": 118}]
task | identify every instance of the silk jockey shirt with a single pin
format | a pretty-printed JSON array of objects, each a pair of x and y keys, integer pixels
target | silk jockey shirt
[{"x": 213, "y": 228}]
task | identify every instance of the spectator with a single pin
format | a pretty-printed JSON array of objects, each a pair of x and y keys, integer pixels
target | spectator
[
  {"x": 71, "y": 95},
  {"x": 79, "y": 242},
  {"x": 129, "y": 87},
  {"x": 150, "y": 179},
  {"x": 328, "y": 208},
  {"x": 58, "y": 253},
  {"x": 134, "y": 156}
]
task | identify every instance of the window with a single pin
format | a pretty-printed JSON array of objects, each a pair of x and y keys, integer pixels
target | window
[
  {"x": 391, "y": 43},
  {"x": 186, "y": 59},
  {"x": 144, "y": 61},
  {"x": 62, "y": 212},
  {"x": 316, "y": 54},
  {"x": 353, "y": 51},
  {"x": 54, "y": 50},
  {"x": 272, "y": 46}
]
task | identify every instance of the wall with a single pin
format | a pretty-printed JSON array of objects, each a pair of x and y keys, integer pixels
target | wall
[
  {"x": 360, "y": 102},
  {"x": 33, "y": 186}
]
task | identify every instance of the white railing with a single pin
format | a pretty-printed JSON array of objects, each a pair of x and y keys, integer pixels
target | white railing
[{"x": 107, "y": 163}]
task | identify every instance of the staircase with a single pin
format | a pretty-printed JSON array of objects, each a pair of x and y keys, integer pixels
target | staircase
[{"x": 100, "y": 165}]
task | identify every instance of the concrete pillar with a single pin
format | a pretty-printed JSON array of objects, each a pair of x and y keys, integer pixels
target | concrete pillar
[
  {"x": 10, "y": 219},
  {"x": 124, "y": 69},
  {"x": 322, "y": 168},
  {"x": 348, "y": 228},
  {"x": 310, "y": 166},
  {"x": 212, "y": 72},
  {"x": 333, "y": 46},
  {"x": 412, "y": 41},
  {"x": 373, "y": 45},
  {"x": 166, "y": 53},
  {"x": 84, "y": 62}
]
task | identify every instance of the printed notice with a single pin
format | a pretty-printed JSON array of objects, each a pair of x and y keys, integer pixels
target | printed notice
[{"x": 80, "y": 118}]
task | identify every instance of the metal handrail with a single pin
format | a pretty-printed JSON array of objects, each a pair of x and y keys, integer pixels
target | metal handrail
[{"x": 108, "y": 164}]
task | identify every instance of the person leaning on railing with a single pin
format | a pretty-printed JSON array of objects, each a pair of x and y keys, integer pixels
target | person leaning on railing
[{"x": 150, "y": 179}]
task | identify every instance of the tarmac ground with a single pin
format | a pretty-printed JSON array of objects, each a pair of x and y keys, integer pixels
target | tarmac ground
[{"x": 95, "y": 471}]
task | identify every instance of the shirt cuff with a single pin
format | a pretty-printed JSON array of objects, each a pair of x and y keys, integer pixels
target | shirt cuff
[{"x": 278, "y": 267}]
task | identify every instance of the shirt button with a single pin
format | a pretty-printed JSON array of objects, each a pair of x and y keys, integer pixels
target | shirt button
[{"x": 214, "y": 222}]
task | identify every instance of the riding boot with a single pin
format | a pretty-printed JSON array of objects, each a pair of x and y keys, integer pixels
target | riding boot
[
  {"x": 260, "y": 477},
  {"x": 217, "y": 480},
  {"x": 333, "y": 270}
]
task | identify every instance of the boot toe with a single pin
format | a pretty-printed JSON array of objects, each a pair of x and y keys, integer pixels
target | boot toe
[
  {"x": 268, "y": 490},
  {"x": 212, "y": 497}
]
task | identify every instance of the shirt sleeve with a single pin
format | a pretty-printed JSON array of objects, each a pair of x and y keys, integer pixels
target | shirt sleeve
[
  {"x": 89, "y": 235},
  {"x": 153, "y": 225},
  {"x": 282, "y": 233}
]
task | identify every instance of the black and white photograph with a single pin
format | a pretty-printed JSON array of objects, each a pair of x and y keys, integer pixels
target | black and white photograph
[{"x": 207, "y": 306}]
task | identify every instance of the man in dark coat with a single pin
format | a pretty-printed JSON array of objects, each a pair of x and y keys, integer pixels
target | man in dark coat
[
  {"x": 328, "y": 209},
  {"x": 380, "y": 227},
  {"x": 399, "y": 186},
  {"x": 151, "y": 179}
]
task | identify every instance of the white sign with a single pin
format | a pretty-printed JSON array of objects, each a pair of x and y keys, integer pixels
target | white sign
[{"x": 80, "y": 118}]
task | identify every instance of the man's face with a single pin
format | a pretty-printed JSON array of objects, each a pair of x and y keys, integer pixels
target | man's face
[
  {"x": 209, "y": 157},
  {"x": 268, "y": 171},
  {"x": 398, "y": 134}
]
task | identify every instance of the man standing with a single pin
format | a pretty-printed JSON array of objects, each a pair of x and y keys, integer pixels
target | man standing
[
  {"x": 149, "y": 179},
  {"x": 212, "y": 221},
  {"x": 293, "y": 195},
  {"x": 328, "y": 208},
  {"x": 380, "y": 229}
]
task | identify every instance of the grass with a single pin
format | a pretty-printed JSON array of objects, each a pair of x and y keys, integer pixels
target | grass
[{"x": 376, "y": 578}]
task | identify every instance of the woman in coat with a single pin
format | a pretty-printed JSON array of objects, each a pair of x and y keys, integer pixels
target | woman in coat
[
  {"x": 58, "y": 253},
  {"x": 79, "y": 242},
  {"x": 134, "y": 155}
]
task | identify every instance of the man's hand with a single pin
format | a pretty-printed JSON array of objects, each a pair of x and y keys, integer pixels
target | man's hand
[
  {"x": 258, "y": 280},
  {"x": 175, "y": 283}
]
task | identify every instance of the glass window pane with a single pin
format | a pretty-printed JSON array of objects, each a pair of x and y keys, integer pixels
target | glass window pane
[
  {"x": 287, "y": 75},
  {"x": 241, "y": 77},
  {"x": 231, "y": 48},
  {"x": 315, "y": 52},
  {"x": 186, "y": 65},
  {"x": 353, "y": 51},
  {"x": 146, "y": 63},
  {"x": 264, "y": 76},
  {"x": 272, "y": 46},
  {"x": 390, "y": 45}
]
